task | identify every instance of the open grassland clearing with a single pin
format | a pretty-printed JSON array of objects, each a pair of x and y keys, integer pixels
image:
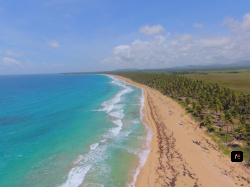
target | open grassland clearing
[{"x": 238, "y": 80}]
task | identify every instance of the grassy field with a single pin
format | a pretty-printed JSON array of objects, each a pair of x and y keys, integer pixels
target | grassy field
[{"x": 238, "y": 80}]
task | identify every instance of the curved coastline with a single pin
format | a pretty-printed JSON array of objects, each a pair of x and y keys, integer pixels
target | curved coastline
[
  {"x": 175, "y": 157},
  {"x": 139, "y": 172},
  {"x": 145, "y": 149},
  {"x": 85, "y": 164}
]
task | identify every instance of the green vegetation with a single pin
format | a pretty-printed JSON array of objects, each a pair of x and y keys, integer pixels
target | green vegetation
[
  {"x": 223, "y": 137},
  {"x": 224, "y": 112},
  {"x": 244, "y": 149},
  {"x": 238, "y": 80},
  {"x": 225, "y": 149}
]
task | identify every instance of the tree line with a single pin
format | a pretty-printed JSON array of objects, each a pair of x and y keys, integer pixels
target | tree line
[{"x": 214, "y": 105}]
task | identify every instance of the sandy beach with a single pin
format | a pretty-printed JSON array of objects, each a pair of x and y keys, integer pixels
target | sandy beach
[{"x": 181, "y": 154}]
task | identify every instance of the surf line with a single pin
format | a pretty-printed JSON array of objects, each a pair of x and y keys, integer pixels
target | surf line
[
  {"x": 145, "y": 148},
  {"x": 84, "y": 163}
]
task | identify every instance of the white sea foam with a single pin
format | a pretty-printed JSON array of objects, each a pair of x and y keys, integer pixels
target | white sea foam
[
  {"x": 143, "y": 153},
  {"x": 142, "y": 103},
  {"x": 119, "y": 106},
  {"x": 95, "y": 184},
  {"x": 117, "y": 114},
  {"x": 107, "y": 108},
  {"x": 84, "y": 164},
  {"x": 122, "y": 134},
  {"x": 115, "y": 131},
  {"x": 76, "y": 176},
  {"x": 128, "y": 149},
  {"x": 125, "y": 134},
  {"x": 136, "y": 121},
  {"x": 93, "y": 161},
  {"x": 78, "y": 160},
  {"x": 94, "y": 146},
  {"x": 110, "y": 104}
]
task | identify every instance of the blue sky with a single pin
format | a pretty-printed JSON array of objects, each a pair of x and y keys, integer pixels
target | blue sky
[{"x": 52, "y": 36}]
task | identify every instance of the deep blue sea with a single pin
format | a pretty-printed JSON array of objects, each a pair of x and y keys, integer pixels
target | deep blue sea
[{"x": 70, "y": 130}]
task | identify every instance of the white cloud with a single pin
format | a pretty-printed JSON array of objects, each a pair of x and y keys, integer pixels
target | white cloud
[
  {"x": 139, "y": 53},
  {"x": 185, "y": 37},
  {"x": 9, "y": 62},
  {"x": 236, "y": 26},
  {"x": 11, "y": 53},
  {"x": 160, "y": 38},
  {"x": 216, "y": 42},
  {"x": 54, "y": 43},
  {"x": 182, "y": 49},
  {"x": 154, "y": 30},
  {"x": 198, "y": 25}
]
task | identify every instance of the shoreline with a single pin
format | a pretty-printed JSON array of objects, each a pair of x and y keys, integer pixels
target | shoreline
[
  {"x": 144, "y": 145},
  {"x": 148, "y": 137},
  {"x": 180, "y": 153}
]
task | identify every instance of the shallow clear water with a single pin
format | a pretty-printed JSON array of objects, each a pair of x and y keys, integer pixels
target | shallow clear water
[{"x": 70, "y": 130}]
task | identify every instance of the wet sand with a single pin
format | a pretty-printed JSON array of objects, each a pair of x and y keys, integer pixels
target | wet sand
[{"x": 181, "y": 154}]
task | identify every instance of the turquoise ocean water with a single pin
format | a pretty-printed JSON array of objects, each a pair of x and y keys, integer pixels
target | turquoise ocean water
[{"x": 70, "y": 130}]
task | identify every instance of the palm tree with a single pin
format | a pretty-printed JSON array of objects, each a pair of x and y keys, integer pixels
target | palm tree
[
  {"x": 227, "y": 120},
  {"x": 247, "y": 104},
  {"x": 247, "y": 137},
  {"x": 194, "y": 105},
  {"x": 208, "y": 120},
  {"x": 242, "y": 119},
  {"x": 234, "y": 116},
  {"x": 202, "y": 94},
  {"x": 234, "y": 113},
  {"x": 242, "y": 131},
  {"x": 216, "y": 108},
  {"x": 199, "y": 110},
  {"x": 240, "y": 101},
  {"x": 211, "y": 105},
  {"x": 202, "y": 102}
]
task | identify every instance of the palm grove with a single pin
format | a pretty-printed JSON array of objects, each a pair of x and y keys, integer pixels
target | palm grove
[{"x": 218, "y": 108}]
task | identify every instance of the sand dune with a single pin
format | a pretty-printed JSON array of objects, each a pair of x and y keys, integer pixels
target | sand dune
[{"x": 181, "y": 154}]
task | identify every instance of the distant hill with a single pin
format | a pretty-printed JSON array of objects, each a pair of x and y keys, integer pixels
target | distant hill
[
  {"x": 236, "y": 65},
  {"x": 128, "y": 70},
  {"x": 239, "y": 65}
]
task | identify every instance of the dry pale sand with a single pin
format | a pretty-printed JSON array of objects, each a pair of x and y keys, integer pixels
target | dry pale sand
[{"x": 181, "y": 154}]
